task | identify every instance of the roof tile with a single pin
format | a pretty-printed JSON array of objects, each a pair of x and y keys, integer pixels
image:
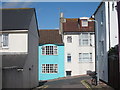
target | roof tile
[
  {"x": 74, "y": 25},
  {"x": 50, "y": 37}
]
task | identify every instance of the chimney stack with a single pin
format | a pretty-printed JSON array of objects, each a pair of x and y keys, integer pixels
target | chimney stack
[
  {"x": 61, "y": 15},
  {"x": 61, "y": 23}
]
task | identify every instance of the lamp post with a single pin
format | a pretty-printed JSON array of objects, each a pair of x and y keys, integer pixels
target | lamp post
[{"x": 96, "y": 48}]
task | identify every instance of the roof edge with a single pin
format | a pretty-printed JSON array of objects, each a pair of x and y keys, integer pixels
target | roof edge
[
  {"x": 98, "y": 8},
  {"x": 15, "y": 8}
]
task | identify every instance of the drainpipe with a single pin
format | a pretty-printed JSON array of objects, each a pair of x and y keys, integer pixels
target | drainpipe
[{"x": 109, "y": 23}]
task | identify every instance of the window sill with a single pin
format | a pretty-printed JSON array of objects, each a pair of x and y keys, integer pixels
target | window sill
[
  {"x": 86, "y": 45},
  {"x": 85, "y": 62},
  {"x": 68, "y": 62},
  {"x": 5, "y": 47},
  {"x": 49, "y": 55},
  {"x": 49, "y": 73}
]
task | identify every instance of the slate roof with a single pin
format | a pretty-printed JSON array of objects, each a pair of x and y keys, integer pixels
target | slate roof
[
  {"x": 16, "y": 18},
  {"x": 74, "y": 25},
  {"x": 50, "y": 37}
]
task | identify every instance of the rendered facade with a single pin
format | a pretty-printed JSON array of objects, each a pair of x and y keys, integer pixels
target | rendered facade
[
  {"x": 106, "y": 16},
  {"x": 78, "y": 37},
  {"x": 19, "y": 48},
  {"x": 51, "y": 55}
]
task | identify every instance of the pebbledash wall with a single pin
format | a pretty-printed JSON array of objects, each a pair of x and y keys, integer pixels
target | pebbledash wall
[{"x": 51, "y": 59}]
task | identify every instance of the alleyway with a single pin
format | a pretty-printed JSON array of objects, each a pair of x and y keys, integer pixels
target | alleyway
[{"x": 65, "y": 83}]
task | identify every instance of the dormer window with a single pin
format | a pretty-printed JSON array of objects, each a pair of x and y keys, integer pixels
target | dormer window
[{"x": 84, "y": 23}]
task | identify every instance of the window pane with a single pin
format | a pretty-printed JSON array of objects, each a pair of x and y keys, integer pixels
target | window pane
[
  {"x": 84, "y": 23},
  {"x": 85, "y": 42},
  {"x": 85, "y": 57},
  {"x": 90, "y": 56},
  {"x": 55, "y": 50},
  {"x": 49, "y": 50},
  {"x": 85, "y": 35},
  {"x": 49, "y": 68},
  {"x": 80, "y": 56},
  {"x": 5, "y": 40},
  {"x": 68, "y": 57},
  {"x": 69, "y": 39},
  {"x": 84, "y": 39}
]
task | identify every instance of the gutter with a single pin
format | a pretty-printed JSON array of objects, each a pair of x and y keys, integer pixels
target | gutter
[{"x": 98, "y": 8}]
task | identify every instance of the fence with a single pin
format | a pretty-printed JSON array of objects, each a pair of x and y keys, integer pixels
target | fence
[{"x": 113, "y": 72}]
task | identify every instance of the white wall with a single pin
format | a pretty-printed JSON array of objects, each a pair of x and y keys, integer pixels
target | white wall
[
  {"x": 103, "y": 36},
  {"x": 0, "y": 71},
  {"x": 113, "y": 25},
  {"x": 78, "y": 68},
  {"x": 18, "y": 42}
]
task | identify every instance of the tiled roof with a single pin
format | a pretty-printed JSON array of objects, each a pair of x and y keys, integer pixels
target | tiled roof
[
  {"x": 50, "y": 37},
  {"x": 74, "y": 25}
]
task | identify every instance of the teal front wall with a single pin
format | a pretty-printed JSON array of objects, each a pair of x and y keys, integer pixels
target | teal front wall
[{"x": 51, "y": 59}]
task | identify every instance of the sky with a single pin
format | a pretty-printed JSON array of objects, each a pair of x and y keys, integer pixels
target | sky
[{"x": 48, "y": 13}]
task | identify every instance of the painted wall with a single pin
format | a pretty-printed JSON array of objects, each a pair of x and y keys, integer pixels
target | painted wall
[
  {"x": 0, "y": 66},
  {"x": 113, "y": 25},
  {"x": 77, "y": 67},
  {"x": 29, "y": 77},
  {"x": 108, "y": 39},
  {"x": 51, "y": 59},
  {"x": 18, "y": 42},
  {"x": 103, "y": 64}
]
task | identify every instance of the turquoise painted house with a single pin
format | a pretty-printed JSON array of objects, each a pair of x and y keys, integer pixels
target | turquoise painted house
[{"x": 51, "y": 55}]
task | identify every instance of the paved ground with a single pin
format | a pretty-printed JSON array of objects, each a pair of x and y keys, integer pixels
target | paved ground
[{"x": 64, "y": 83}]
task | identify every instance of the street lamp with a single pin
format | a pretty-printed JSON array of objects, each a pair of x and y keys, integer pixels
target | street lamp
[{"x": 96, "y": 48}]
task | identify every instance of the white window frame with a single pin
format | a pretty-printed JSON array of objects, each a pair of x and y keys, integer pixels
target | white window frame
[
  {"x": 82, "y": 39},
  {"x": 82, "y": 57},
  {"x": 3, "y": 38},
  {"x": 52, "y": 50},
  {"x": 49, "y": 68},
  {"x": 69, "y": 39},
  {"x": 84, "y": 23}
]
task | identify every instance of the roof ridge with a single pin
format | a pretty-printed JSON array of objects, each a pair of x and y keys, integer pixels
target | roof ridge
[
  {"x": 48, "y": 29},
  {"x": 15, "y": 8}
]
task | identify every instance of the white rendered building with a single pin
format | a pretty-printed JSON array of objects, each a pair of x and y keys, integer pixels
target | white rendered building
[
  {"x": 78, "y": 37},
  {"x": 106, "y": 16}
]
